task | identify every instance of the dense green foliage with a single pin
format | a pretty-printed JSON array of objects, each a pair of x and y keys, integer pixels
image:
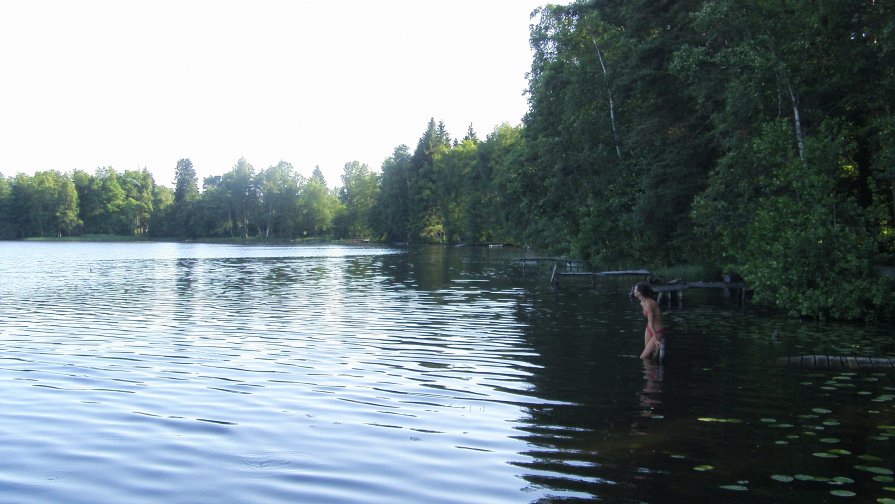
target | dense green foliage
[{"x": 752, "y": 137}]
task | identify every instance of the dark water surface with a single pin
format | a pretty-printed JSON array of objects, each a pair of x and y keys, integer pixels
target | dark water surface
[{"x": 211, "y": 373}]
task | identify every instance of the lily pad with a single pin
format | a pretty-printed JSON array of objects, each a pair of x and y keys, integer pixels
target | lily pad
[
  {"x": 807, "y": 477},
  {"x": 829, "y": 440},
  {"x": 875, "y": 470},
  {"x": 821, "y": 411},
  {"x": 842, "y": 493},
  {"x": 885, "y": 500},
  {"x": 782, "y": 478},
  {"x": 883, "y": 479},
  {"x": 841, "y": 480},
  {"x": 825, "y": 455},
  {"x": 703, "y": 468},
  {"x": 735, "y": 488}
]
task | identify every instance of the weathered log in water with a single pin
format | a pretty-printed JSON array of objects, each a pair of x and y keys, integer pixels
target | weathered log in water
[{"x": 836, "y": 362}]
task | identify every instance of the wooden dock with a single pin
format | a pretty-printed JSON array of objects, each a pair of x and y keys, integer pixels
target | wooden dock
[
  {"x": 837, "y": 362},
  {"x": 554, "y": 278},
  {"x": 662, "y": 290},
  {"x": 570, "y": 263},
  {"x": 730, "y": 289},
  {"x": 669, "y": 290}
]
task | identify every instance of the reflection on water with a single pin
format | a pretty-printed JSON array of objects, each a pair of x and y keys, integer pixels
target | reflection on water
[
  {"x": 213, "y": 373},
  {"x": 650, "y": 396}
]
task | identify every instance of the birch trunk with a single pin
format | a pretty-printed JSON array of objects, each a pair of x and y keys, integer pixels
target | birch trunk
[
  {"x": 800, "y": 139},
  {"x": 893, "y": 198},
  {"x": 618, "y": 150},
  {"x": 269, "y": 220}
]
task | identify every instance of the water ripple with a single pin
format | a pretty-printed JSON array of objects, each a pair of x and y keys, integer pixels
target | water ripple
[
  {"x": 201, "y": 373},
  {"x": 218, "y": 370}
]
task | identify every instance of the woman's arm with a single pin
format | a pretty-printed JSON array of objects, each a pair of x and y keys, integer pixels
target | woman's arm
[
  {"x": 651, "y": 343},
  {"x": 650, "y": 310}
]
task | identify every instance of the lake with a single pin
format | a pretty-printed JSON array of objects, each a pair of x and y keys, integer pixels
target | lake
[{"x": 200, "y": 373}]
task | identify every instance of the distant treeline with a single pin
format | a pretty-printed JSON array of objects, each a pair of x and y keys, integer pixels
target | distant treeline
[{"x": 752, "y": 137}]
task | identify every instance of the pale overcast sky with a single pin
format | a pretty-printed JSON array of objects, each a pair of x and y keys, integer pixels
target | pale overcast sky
[{"x": 132, "y": 84}]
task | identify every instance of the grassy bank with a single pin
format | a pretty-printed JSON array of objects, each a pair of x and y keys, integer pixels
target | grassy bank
[
  {"x": 89, "y": 238},
  {"x": 218, "y": 240}
]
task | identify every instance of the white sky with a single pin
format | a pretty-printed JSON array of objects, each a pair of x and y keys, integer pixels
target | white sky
[{"x": 143, "y": 83}]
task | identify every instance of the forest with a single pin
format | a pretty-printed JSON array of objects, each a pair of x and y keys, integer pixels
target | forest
[{"x": 750, "y": 137}]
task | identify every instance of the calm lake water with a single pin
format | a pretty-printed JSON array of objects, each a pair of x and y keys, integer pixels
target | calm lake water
[{"x": 191, "y": 373}]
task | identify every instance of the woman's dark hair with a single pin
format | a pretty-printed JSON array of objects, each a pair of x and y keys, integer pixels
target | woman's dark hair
[{"x": 644, "y": 289}]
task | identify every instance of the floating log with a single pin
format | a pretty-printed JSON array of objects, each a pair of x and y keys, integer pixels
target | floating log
[
  {"x": 568, "y": 262},
  {"x": 837, "y": 362},
  {"x": 606, "y": 273},
  {"x": 595, "y": 274},
  {"x": 882, "y": 362},
  {"x": 554, "y": 278}
]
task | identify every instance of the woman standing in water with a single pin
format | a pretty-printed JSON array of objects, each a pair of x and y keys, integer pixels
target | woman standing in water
[{"x": 654, "y": 335}]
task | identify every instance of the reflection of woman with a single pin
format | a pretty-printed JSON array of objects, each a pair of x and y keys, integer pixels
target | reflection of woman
[
  {"x": 650, "y": 396},
  {"x": 654, "y": 334},
  {"x": 652, "y": 388}
]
